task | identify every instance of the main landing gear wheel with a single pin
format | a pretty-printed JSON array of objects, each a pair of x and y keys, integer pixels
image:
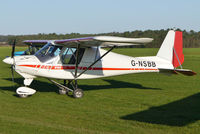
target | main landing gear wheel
[
  {"x": 61, "y": 91},
  {"x": 23, "y": 95},
  {"x": 78, "y": 93}
]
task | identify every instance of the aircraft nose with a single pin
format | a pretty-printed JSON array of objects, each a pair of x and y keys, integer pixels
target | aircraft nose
[{"x": 8, "y": 60}]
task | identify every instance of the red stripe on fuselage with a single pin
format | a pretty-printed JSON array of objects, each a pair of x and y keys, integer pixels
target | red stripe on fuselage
[{"x": 82, "y": 68}]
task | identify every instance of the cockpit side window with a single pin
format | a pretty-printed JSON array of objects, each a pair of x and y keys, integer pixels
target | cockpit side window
[
  {"x": 32, "y": 49},
  {"x": 69, "y": 56}
]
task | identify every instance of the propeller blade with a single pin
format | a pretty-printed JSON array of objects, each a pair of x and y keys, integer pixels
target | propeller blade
[
  {"x": 12, "y": 56},
  {"x": 12, "y": 71},
  {"x": 13, "y": 48}
]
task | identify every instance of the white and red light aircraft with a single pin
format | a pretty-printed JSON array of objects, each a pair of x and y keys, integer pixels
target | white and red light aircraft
[{"x": 83, "y": 58}]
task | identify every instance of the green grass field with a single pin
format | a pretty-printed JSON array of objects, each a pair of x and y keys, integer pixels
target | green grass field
[{"x": 148, "y": 103}]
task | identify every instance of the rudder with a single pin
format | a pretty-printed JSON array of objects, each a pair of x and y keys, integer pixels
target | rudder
[{"x": 178, "y": 57}]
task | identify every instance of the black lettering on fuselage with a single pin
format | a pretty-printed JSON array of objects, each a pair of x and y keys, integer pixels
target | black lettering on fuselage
[
  {"x": 143, "y": 63},
  {"x": 140, "y": 63},
  {"x": 133, "y": 63}
]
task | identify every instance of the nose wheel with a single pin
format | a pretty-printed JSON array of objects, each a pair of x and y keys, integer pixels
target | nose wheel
[
  {"x": 24, "y": 92},
  {"x": 23, "y": 95}
]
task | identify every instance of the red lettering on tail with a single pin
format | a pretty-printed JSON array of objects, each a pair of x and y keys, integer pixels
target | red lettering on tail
[{"x": 178, "y": 57}]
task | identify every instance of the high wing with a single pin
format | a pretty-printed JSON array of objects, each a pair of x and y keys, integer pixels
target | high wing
[
  {"x": 36, "y": 42},
  {"x": 104, "y": 41},
  {"x": 122, "y": 39}
]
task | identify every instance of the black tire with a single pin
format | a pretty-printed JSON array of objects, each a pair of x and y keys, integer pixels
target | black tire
[
  {"x": 78, "y": 93},
  {"x": 23, "y": 95}
]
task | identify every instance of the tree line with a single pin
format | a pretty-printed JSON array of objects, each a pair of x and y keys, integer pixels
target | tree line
[{"x": 191, "y": 39}]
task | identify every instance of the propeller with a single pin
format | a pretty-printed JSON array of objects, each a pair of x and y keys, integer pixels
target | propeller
[
  {"x": 12, "y": 56},
  {"x": 13, "y": 48}
]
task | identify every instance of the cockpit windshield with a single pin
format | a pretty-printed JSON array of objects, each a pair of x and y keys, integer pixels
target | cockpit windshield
[{"x": 48, "y": 52}]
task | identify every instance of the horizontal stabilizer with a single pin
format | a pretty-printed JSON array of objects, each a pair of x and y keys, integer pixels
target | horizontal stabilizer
[
  {"x": 185, "y": 72},
  {"x": 176, "y": 71}
]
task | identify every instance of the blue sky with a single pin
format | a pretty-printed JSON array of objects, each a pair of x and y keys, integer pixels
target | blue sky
[{"x": 96, "y": 16}]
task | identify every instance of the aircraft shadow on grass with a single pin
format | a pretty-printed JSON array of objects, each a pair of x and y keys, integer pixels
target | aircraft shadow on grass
[
  {"x": 42, "y": 86},
  {"x": 177, "y": 113},
  {"x": 38, "y": 85},
  {"x": 115, "y": 84}
]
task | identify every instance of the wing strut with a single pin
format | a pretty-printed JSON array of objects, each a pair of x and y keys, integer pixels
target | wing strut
[
  {"x": 94, "y": 62},
  {"x": 76, "y": 63}
]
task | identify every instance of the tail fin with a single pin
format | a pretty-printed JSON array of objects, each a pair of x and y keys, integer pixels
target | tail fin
[{"x": 172, "y": 48}]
